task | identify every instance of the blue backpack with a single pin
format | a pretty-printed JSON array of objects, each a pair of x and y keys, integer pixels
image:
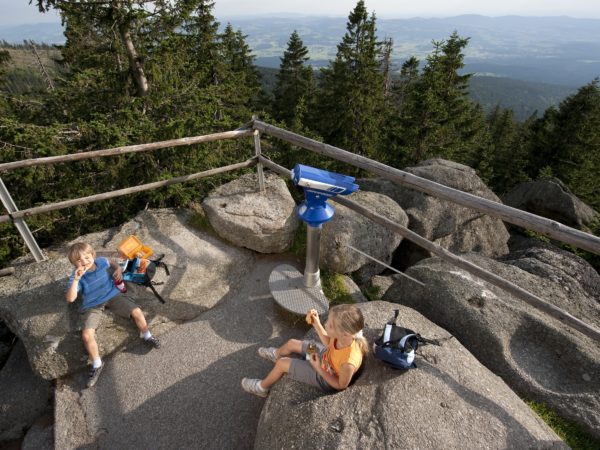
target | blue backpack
[
  {"x": 142, "y": 270},
  {"x": 396, "y": 346}
]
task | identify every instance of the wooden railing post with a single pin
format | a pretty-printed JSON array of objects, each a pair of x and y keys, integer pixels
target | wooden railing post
[
  {"x": 258, "y": 154},
  {"x": 21, "y": 225}
]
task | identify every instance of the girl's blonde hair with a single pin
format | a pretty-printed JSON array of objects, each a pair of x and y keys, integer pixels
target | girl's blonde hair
[
  {"x": 349, "y": 319},
  {"x": 77, "y": 249}
]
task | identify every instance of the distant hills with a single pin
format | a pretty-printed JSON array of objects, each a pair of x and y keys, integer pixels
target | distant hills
[
  {"x": 523, "y": 97},
  {"x": 525, "y": 63},
  {"x": 558, "y": 50}
]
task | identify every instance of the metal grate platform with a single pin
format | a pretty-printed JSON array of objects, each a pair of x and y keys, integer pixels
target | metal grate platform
[{"x": 287, "y": 287}]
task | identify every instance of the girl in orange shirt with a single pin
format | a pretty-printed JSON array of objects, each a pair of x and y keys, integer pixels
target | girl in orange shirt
[{"x": 334, "y": 361}]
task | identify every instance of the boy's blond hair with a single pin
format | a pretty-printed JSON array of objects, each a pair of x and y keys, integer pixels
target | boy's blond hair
[
  {"x": 349, "y": 319},
  {"x": 79, "y": 248}
]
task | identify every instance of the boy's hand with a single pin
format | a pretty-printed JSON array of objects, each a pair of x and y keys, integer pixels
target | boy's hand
[
  {"x": 312, "y": 317},
  {"x": 118, "y": 273},
  {"x": 79, "y": 272}
]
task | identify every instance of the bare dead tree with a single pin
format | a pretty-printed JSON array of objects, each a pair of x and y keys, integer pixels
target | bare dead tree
[
  {"x": 45, "y": 73},
  {"x": 386, "y": 65}
]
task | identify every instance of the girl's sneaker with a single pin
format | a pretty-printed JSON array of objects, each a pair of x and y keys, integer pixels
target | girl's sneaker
[
  {"x": 252, "y": 386},
  {"x": 268, "y": 353}
]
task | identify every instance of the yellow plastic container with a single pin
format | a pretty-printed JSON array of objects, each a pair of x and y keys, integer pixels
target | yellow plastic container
[{"x": 132, "y": 247}]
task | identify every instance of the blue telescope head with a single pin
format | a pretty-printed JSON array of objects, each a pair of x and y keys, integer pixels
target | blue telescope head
[{"x": 319, "y": 185}]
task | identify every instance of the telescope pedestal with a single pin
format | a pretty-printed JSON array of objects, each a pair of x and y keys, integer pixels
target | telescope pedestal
[{"x": 288, "y": 290}]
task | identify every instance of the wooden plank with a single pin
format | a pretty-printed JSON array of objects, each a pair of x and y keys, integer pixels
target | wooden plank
[
  {"x": 124, "y": 150},
  {"x": 20, "y": 224},
  {"x": 548, "y": 227},
  {"x": 126, "y": 191},
  {"x": 259, "y": 167},
  {"x": 7, "y": 271},
  {"x": 468, "y": 266}
]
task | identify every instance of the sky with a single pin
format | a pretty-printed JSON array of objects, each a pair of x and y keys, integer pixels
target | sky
[{"x": 16, "y": 12}]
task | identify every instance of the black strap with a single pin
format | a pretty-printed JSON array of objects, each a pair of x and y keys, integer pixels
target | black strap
[
  {"x": 437, "y": 342},
  {"x": 159, "y": 263},
  {"x": 396, "y": 342},
  {"x": 164, "y": 266},
  {"x": 151, "y": 286}
]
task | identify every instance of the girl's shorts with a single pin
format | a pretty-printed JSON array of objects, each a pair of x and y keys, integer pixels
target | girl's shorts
[{"x": 302, "y": 371}]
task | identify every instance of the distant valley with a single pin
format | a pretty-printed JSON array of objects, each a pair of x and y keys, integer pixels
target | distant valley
[
  {"x": 525, "y": 63},
  {"x": 557, "y": 50}
]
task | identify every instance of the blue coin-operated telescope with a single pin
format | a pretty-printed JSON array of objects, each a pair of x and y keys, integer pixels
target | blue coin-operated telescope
[{"x": 318, "y": 185}]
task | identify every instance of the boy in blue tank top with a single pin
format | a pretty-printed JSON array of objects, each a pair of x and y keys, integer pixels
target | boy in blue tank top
[{"x": 92, "y": 279}]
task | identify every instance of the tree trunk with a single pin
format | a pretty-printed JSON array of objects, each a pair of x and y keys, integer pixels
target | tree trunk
[{"x": 135, "y": 65}]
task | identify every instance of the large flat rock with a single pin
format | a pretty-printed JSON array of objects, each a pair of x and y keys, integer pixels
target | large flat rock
[
  {"x": 456, "y": 228},
  {"x": 24, "y": 396},
  {"x": 265, "y": 222},
  {"x": 203, "y": 270},
  {"x": 539, "y": 356},
  {"x": 451, "y": 401},
  {"x": 187, "y": 394}
]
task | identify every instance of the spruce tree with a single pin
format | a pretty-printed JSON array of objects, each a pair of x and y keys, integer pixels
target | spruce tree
[
  {"x": 238, "y": 71},
  {"x": 508, "y": 156},
  {"x": 396, "y": 149},
  {"x": 437, "y": 117},
  {"x": 295, "y": 84},
  {"x": 351, "y": 94},
  {"x": 200, "y": 44},
  {"x": 567, "y": 141},
  {"x": 4, "y": 61}
]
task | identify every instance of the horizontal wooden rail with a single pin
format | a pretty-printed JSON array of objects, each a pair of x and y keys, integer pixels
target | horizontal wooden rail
[
  {"x": 123, "y": 150},
  {"x": 468, "y": 266},
  {"x": 7, "y": 271},
  {"x": 118, "y": 193},
  {"x": 548, "y": 227}
]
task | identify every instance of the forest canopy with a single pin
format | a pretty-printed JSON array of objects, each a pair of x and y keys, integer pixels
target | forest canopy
[{"x": 132, "y": 72}]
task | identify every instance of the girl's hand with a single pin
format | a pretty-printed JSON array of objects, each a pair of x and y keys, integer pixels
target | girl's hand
[
  {"x": 315, "y": 361},
  {"x": 312, "y": 317}
]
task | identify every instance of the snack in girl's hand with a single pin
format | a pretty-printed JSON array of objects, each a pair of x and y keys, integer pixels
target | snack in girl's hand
[{"x": 310, "y": 315}]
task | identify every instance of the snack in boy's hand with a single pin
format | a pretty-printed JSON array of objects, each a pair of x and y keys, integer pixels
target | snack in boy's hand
[{"x": 311, "y": 348}]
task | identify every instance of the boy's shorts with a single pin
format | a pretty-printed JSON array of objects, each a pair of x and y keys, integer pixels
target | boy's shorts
[
  {"x": 302, "y": 371},
  {"x": 121, "y": 305}
]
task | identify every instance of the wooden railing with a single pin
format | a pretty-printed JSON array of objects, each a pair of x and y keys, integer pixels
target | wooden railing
[
  {"x": 550, "y": 228},
  {"x": 531, "y": 221},
  {"x": 545, "y": 226},
  {"x": 18, "y": 216}
]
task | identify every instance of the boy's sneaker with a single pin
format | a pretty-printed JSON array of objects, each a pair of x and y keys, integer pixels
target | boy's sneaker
[
  {"x": 93, "y": 375},
  {"x": 268, "y": 353},
  {"x": 153, "y": 342},
  {"x": 252, "y": 386}
]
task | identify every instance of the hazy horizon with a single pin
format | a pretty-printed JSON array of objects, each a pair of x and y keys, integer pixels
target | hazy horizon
[{"x": 19, "y": 12}]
